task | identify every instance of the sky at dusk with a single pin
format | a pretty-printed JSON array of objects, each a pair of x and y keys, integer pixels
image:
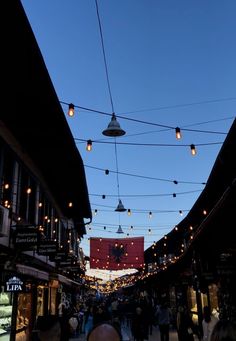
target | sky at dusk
[{"x": 169, "y": 64}]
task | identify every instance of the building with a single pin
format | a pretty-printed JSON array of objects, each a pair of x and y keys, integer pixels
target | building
[
  {"x": 195, "y": 264},
  {"x": 43, "y": 191}
]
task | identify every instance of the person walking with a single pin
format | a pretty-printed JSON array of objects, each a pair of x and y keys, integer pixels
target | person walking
[
  {"x": 138, "y": 325},
  {"x": 89, "y": 320},
  {"x": 163, "y": 317},
  {"x": 208, "y": 323},
  {"x": 184, "y": 324}
]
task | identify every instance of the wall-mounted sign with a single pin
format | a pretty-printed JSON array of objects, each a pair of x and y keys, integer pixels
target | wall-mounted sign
[
  {"x": 14, "y": 284},
  {"x": 59, "y": 256},
  {"x": 26, "y": 237},
  {"x": 47, "y": 247}
]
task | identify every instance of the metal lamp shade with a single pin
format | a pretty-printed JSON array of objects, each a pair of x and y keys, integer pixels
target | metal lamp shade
[
  {"x": 119, "y": 230},
  {"x": 113, "y": 128},
  {"x": 120, "y": 207}
]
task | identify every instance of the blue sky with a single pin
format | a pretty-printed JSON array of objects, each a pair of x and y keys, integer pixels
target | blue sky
[{"x": 170, "y": 63}]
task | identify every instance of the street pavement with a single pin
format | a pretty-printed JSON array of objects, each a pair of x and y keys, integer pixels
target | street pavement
[{"x": 126, "y": 335}]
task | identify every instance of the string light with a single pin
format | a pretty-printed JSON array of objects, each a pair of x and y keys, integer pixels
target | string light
[
  {"x": 149, "y": 123},
  {"x": 142, "y": 210},
  {"x": 71, "y": 110},
  {"x": 178, "y": 133},
  {"x": 193, "y": 149},
  {"x": 89, "y": 145},
  {"x": 135, "y": 144},
  {"x": 147, "y": 177}
]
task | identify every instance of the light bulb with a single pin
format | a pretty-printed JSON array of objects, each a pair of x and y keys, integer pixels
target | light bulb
[
  {"x": 89, "y": 145},
  {"x": 178, "y": 133},
  {"x": 71, "y": 110},
  {"x": 193, "y": 149}
]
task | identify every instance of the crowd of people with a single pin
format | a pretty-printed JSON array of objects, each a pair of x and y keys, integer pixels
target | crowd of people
[{"x": 139, "y": 314}]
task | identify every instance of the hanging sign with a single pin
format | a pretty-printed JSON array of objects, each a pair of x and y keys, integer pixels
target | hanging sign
[
  {"x": 26, "y": 237},
  {"x": 14, "y": 284},
  {"x": 60, "y": 256},
  {"x": 47, "y": 247}
]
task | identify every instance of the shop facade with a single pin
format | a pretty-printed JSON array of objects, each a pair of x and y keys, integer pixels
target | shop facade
[
  {"x": 44, "y": 203},
  {"x": 195, "y": 264}
]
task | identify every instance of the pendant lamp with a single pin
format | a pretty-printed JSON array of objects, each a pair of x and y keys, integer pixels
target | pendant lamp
[
  {"x": 119, "y": 230},
  {"x": 120, "y": 207},
  {"x": 113, "y": 128}
]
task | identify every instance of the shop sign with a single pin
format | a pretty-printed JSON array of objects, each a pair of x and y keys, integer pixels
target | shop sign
[
  {"x": 207, "y": 276},
  {"x": 14, "y": 284},
  {"x": 47, "y": 247},
  {"x": 59, "y": 256},
  {"x": 64, "y": 263},
  {"x": 25, "y": 237}
]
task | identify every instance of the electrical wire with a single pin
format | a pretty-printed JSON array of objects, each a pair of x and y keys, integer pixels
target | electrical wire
[
  {"x": 150, "y": 144},
  {"x": 174, "y": 106},
  {"x": 139, "y": 210},
  {"x": 145, "y": 122},
  {"x": 104, "y": 55},
  {"x": 148, "y": 177},
  {"x": 145, "y": 195}
]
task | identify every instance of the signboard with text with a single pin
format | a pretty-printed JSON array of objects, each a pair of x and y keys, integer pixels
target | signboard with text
[
  {"x": 47, "y": 247},
  {"x": 14, "y": 284},
  {"x": 26, "y": 237}
]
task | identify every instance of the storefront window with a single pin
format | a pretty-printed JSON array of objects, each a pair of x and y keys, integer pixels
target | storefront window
[
  {"x": 213, "y": 295},
  {"x": 192, "y": 304},
  {"x": 40, "y": 300},
  {"x": 52, "y": 302},
  {"x": 5, "y": 314},
  {"x": 23, "y": 316}
]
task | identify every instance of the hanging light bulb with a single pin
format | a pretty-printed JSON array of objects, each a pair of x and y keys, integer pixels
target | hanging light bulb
[
  {"x": 113, "y": 128},
  {"x": 193, "y": 149},
  {"x": 150, "y": 215},
  {"x": 119, "y": 230},
  {"x": 178, "y": 134},
  {"x": 129, "y": 212},
  {"x": 120, "y": 207},
  {"x": 89, "y": 145},
  {"x": 71, "y": 110}
]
